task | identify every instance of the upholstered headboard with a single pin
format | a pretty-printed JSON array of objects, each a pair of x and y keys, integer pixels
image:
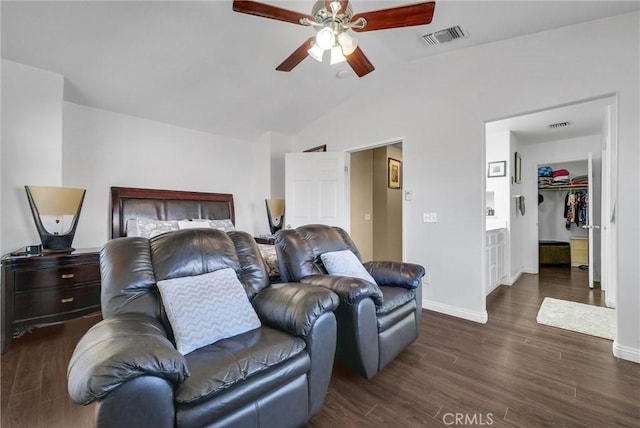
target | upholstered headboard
[{"x": 130, "y": 203}]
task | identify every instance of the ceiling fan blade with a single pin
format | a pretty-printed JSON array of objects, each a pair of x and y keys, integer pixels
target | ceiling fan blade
[
  {"x": 360, "y": 63},
  {"x": 395, "y": 17},
  {"x": 343, "y": 5},
  {"x": 267, "y": 11},
  {"x": 296, "y": 57}
]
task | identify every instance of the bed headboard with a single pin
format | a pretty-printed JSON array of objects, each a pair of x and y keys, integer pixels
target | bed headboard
[{"x": 132, "y": 203}]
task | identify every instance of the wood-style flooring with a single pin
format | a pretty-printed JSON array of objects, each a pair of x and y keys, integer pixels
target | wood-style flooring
[{"x": 510, "y": 372}]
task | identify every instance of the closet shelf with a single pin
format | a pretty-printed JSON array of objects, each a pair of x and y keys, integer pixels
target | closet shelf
[{"x": 567, "y": 187}]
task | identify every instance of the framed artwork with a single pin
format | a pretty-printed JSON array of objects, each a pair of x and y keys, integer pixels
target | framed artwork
[
  {"x": 322, "y": 148},
  {"x": 394, "y": 173},
  {"x": 517, "y": 174},
  {"x": 497, "y": 169}
]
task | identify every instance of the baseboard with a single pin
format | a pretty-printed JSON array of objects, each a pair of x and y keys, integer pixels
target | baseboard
[
  {"x": 489, "y": 291},
  {"x": 626, "y": 352},
  {"x": 479, "y": 317},
  {"x": 514, "y": 278}
]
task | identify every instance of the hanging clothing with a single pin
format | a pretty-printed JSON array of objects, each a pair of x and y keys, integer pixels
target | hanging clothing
[{"x": 576, "y": 206}]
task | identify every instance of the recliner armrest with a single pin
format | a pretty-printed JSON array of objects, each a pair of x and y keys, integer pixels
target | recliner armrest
[
  {"x": 350, "y": 290},
  {"x": 293, "y": 307},
  {"x": 396, "y": 274},
  {"x": 119, "y": 349}
]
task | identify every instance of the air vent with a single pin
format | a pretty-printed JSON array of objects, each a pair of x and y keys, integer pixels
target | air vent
[
  {"x": 444, "y": 36},
  {"x": 559, "y": 125}
]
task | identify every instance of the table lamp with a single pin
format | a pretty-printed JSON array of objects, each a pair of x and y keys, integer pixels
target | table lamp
[
  {"x": 56, "y": 211},
  {"x": 275, "y": 213}
]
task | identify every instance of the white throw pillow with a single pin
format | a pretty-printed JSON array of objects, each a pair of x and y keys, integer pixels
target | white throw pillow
[
  {"x": 345, "y": 263},
  {"x": 207, "y": 308},
  {"x": 194, "y": 224}
]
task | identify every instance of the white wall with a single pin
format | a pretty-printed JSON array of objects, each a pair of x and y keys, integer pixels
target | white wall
[
  {"x": 280, "y": 144},
  {"x": 439, "y": 106},
  {"x": 31, "y": 146},
  {"x": 104, "y": 149},
  {"x": 517, "y": 221},
  {"x": 497, "y": 151}
]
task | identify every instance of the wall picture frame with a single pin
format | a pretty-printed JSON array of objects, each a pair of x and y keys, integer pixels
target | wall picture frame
[
  {"x": 497, "y": 169},
  {"x": 517, "y": 169},
  {"x": 394, "y": 173}
]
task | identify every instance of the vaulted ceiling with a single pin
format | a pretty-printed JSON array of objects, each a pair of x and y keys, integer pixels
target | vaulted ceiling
[{"x": 202, "y": 66}]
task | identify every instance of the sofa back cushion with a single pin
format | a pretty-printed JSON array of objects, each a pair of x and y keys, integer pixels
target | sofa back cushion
[
  {"x": 299, "y": 250},
  {"x": 131, "y": 266}
]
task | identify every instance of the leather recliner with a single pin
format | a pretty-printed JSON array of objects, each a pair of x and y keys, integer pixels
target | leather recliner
[
  {"x": 375, "y": 321},
  {"x": 275, "y": 375}
]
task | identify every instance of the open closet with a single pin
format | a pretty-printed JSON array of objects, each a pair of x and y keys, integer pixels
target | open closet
[{"x": 563, "y": 214}]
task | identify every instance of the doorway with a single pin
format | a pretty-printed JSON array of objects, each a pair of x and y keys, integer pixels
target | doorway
[
  {"x": 376, "y": 204},
  {"x": 569, "y": 203},
  {"x": 560, "y": 134}
]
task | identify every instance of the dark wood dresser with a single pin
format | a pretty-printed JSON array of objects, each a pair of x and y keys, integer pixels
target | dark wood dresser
[{"x": 46, "y": 289}]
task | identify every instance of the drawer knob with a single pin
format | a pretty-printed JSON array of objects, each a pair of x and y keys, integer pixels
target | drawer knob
[
  {"x": 67, "y": 300},
  {"x": 67, "y": 275}
]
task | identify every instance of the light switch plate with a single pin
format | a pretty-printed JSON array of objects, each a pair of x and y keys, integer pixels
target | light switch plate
[{"x": 408, "y": 195}]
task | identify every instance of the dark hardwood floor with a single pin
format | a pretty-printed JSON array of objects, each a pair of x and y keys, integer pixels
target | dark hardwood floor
[{"x": 510, "y": 372}]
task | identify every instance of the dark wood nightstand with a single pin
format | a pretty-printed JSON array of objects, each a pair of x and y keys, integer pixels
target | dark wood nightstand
[{"x": 48, "y": 288}]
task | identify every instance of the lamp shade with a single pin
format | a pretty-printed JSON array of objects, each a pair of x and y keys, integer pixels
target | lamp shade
[
  {"x": 348, "y": 43},
  {"x": 325, "y": 38},
  {"x": 316, "y": 53},
  {"x": 55, "y": 205},
  {"x": 56, "y": 200},
  {"x": 336, "y": 55},
  {"x": 275, "y": 214}
]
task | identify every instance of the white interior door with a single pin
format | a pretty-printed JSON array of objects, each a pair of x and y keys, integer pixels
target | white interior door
[
  {"x": 590, "y": 226},
  {"x": 315, "y": 189}
]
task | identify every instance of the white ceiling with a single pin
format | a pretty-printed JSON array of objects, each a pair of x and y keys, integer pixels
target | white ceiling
[
  {"x": 584, "y": 118},
  {"x": 202, "y": 66}
]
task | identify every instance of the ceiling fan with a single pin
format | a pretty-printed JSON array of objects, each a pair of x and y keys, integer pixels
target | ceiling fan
[{"x": 332, "y": 19}]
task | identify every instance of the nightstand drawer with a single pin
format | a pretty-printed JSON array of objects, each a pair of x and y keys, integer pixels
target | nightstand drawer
[
  {"x": 56, "y": 276},
  {"x": 55, "y": 301}
]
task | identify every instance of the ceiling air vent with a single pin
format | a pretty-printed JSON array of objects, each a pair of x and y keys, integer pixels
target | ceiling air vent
[
  {"x": 444, "y": 36},
  {"x": 559, "y": 125}
]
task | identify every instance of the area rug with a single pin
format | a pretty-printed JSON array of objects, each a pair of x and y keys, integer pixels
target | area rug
[{"x": 588, "y": 319}]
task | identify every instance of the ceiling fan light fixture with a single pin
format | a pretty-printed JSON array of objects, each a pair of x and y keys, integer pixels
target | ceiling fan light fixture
[
  {"x": 348, "y": 43},
  {"x": 337, "y": 55},
  {"x": 316, "y": 52},
  {"x": 325, "y": 39},
  {"x": 330, "y": 19}
]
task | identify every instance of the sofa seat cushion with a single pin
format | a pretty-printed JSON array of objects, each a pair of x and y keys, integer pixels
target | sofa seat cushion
[
  {"x": 394, "y": 297},
  {"x": 398, "y": 302},
  {"x": 224, "y": 364}
]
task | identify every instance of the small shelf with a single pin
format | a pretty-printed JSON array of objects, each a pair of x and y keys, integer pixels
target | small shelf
[{"x": 567, "y": 187}]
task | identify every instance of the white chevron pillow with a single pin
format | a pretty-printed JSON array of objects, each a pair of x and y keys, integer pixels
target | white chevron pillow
[
  {"x": 207, "y": 308},
  {"x": 345, "y": 263}
]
